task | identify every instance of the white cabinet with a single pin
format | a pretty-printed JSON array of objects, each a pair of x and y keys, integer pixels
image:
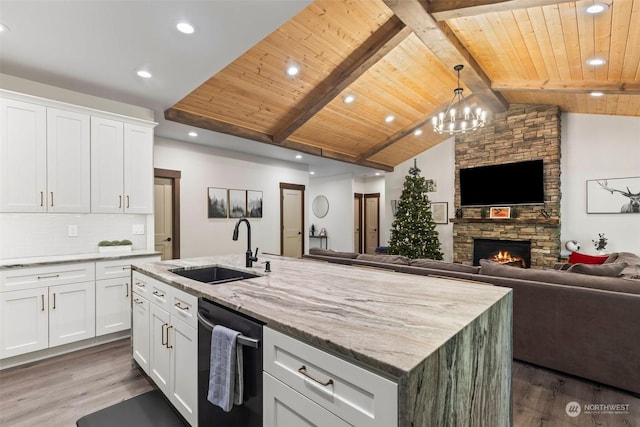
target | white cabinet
[
  {"x": 171, "y": 338},
  {"x": 355, "y": 395},
  {"x": 44, "y": 159},
  {"x": 24, "y": 321},
  {"x": 44, "y": 307},
  {"x": 121, "y": 167},
  {"x": 71, "y": 313},
  {"x": 113, "y": 294}
]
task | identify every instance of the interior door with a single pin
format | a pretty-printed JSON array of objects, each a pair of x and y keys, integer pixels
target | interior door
[
  {"x": 371, "y": 222},
  {"x": 357, "y": 223},
  {"x": 163, "y": 208},
  {"x": 291, "y": 214}
]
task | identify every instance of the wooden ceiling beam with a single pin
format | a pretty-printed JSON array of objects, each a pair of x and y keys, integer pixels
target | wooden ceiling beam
[
  {"x": 440, "y": 39},
  {"x": 446, "y": 9},
  {"x": 582, "y": 86},
  {"x": 379, "y": 44}
]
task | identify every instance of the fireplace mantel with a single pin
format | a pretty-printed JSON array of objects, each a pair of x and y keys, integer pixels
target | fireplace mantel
[{"x": 505, "y": 220}]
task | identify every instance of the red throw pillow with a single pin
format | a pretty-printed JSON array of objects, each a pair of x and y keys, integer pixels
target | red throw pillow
[{"x": 578, "y": 258}]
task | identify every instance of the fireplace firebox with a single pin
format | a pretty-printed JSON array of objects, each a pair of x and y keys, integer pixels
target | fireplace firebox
[{"x": 516, "y": 253}]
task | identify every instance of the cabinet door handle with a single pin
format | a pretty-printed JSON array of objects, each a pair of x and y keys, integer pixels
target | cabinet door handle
[
  {"x": 54, "y": 300},
  {"x": 52, "y": 198},
  {"x": 53, "y": 276},
  {"x": 164, "y": 343},
  {"x": 127, "y": 285},
  {"x": 42, "y": 198},
  {"x": 169, "y": 346},
  {"x": 42, "y": 301},
  {"x": 303, "y": 371},
  {"x": 126, "y": 268},
  {"x": 158, "y": 294},
  {"x": 178, "y": 305},
  {"x": 127, "y": 201},
  {"x": 120, "y": 201}
]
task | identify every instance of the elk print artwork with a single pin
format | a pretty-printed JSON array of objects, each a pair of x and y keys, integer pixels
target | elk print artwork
[{"x": 613, "y": 195}]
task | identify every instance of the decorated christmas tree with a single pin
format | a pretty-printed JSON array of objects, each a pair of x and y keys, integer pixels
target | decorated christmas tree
[{"x": 413, "y": 232}]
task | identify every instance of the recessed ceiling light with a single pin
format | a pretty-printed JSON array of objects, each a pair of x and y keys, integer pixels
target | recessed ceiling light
[
  {"x": 389, "y": 118},
  {"x": 185, "y": 27},
  {"x": 298, "y": 156},
  {"x": 293, "y": 70},
  {"x": 144, "y": 74},
  {"x": 596, "y": 61},
  {"x": 348, "y": 99},
  {"x": 312, "y": 173},
  {"x": 193, "y": 134},
  {"x": 4, "y": 28},
  {"x": 417, "y": 132},
  {"x": 378, "y": 174},
  {"x": 596, "y": 8},
  {"x": 596, "y": 94}
]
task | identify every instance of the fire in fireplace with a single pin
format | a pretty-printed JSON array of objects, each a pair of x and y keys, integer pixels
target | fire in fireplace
[{"x": 511, "y": 252}]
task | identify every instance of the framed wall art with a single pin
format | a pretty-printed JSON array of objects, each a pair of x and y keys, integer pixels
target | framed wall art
[
  {"x": 500, "y": 212},
  {"x": 613, "y": 195},
  {"x": 440, "y": 212},
  {"x": 217, "y": 202},
  {"x": 254, "y": 204},
  {"x": 237, "y": 203}
]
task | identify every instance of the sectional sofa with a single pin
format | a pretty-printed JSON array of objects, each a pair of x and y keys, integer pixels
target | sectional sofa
[{"x": 583, "y": 320}]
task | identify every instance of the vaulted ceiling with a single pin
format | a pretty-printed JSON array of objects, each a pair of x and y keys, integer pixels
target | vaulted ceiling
[{"x": 396, "y": 57}]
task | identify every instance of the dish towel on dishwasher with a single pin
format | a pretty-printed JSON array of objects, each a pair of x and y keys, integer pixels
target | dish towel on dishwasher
[{"x": 225, "y": 374}]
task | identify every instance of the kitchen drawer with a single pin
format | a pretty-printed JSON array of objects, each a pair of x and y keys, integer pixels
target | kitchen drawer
[
  {"x": 120, "y": 267},
  {"x": 354, "y": 394},
  {"x": 33, "y": 277},
  {"x": 160, "y": 294},
  {"x": 141, "y": 284},
  {"x": 184, "y": 306}
]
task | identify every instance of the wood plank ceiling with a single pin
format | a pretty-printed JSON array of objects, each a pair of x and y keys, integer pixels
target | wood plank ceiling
[{"x": 396, "y": 57}]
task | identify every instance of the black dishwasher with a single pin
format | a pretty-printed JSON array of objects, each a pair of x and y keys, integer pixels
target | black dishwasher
[{"x": 249, "y": 414}]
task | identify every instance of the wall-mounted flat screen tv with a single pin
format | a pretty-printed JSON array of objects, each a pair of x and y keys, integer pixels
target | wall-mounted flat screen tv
[{"x": 520, "y": 183}]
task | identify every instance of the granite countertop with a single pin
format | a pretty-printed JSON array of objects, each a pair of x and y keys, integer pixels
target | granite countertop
[
  {"x": 64, "y": 259},
  {"x": 386, "y": 321}
]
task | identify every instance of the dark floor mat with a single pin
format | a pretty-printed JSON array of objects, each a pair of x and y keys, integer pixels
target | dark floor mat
[{"x": 149, "y": 409}]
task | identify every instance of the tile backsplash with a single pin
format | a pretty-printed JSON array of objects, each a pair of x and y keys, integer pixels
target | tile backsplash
[{"x": 30, "y": 235}]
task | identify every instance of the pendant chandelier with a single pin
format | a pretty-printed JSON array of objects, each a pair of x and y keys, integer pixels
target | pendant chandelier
[{"x": 458, "y": 117}]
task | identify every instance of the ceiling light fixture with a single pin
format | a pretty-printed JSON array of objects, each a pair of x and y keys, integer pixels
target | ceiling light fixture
[
  {"x": 460, "y": 119},
  {"x": 348, "y": 99},
  {"x": 597, "y": 8},
  {"x": 144, "y": 74},
  {"x": 596, "y": 61},
  {"x": 193, "y": 134},
  {"x": 389, "y": 118},
  {"x": 417, "y": 132},
  {"x": 312, "y": 173},
  {"x": 185, "y": 27},
  {"x": 597, "y": 94},
  {"x": 293, "y": 70},
  {"x": 298, "y": 156}
]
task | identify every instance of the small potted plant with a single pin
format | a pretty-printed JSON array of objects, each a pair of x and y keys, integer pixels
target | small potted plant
[
  {"x": 600, "y": 243},
  {"x": 115, "y": 246}
]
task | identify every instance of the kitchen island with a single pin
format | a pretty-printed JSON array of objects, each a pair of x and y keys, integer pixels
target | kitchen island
[{"x": 445, "y": 343}]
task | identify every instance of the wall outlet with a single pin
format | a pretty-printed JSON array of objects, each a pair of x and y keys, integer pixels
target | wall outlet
[
  {"x": 137, "y": 229},
  {"x": 72, "y": 231}
]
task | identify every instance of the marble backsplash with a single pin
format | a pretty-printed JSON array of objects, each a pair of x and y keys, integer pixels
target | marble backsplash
[{"x": 30, "y": 235}]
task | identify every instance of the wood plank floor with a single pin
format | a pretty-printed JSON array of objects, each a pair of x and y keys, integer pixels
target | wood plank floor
[{"x": 58, "y": 391}]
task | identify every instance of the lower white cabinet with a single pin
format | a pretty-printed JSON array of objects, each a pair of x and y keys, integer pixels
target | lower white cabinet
[
  {"x": 285, "y": 407},
  {"x": 112, "y": 305},
  {"x": 313, "y": 380},
  {"x": 72, "y": 315},
  {"x": 24, "y": 321},
  {"x": 165, "y": 335}
]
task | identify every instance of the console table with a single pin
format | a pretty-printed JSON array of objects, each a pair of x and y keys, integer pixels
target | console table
[{"x": 326, "y": 243}]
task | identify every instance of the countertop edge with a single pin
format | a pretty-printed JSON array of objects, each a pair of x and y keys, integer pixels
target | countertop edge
[{"x": 10, "y": 263}]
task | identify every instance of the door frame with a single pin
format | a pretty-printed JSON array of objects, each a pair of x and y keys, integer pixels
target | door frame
[
  {"x": 174, "y": 176},
  {"x": 372, "y": 196},
  {"x": 359, "y": 198},
  {"x": 288, "y": 186}
]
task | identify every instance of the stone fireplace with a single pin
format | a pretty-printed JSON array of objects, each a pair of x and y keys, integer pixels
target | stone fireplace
[
  {"x": 511, "y": 252},
  {"x": 524, "y": 132}
]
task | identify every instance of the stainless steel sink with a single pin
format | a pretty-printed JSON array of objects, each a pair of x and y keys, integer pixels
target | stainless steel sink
[{"x": 213, "y": 275}]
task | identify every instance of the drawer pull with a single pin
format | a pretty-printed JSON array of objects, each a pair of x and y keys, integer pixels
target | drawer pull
[
  {"x": 138, "y": 283},
  {"x": 158, "y": 294},
  {"x": 137, "y": 301},
  {"x": 127, "y": 268},
  {"x": 53, "y": 276},
  {"x": 303, "y": 371},
  {"x": 178, "y": 305}
]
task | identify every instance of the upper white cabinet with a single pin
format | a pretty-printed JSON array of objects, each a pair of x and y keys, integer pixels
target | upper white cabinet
[
  {"x": 121, "y": 167},
  {"x": 44, "y": 159}
]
